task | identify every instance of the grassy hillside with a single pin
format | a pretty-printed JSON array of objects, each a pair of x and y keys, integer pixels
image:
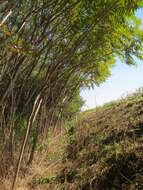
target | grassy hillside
[
  {"x": 101, "y": 150},
  {"x": 105, "y": 149}
]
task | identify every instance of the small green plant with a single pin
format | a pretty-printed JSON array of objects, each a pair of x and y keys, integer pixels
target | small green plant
[
  {"x": 43, "y": 180},
  {"x": 52, "y": 179}
]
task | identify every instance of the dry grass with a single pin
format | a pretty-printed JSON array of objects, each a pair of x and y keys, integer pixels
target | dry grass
[
  {"x": 105, "y": 150},
  {"x": 45, "y": 165}
]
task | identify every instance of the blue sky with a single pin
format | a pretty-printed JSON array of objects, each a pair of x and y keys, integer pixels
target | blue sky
[{"x": 124, "y": 79}]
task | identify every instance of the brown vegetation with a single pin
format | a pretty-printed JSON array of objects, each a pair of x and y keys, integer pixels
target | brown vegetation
[
  {"x": 105, "y": 149},
  {"x": 102, "y": 150}
]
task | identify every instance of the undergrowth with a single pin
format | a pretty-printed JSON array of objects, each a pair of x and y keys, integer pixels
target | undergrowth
[
  {"x": 101, "y": 150},
  {"x": 105, "y": 148}
]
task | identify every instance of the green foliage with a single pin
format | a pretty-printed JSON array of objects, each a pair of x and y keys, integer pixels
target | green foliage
[
  {"x": 72, "y": 108},
  {"x": 43, "y": 180}
]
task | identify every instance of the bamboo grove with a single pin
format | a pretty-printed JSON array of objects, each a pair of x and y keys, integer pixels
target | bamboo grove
[{"x": 49, "y": 50}]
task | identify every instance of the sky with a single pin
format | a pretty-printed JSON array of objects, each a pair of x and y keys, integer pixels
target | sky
[{"x": 124, "y": 79}]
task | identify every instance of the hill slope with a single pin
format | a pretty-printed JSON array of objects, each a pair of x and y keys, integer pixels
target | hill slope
[
  {"x": 101, "y": 150},
  {"x": 105, "y": 148}
]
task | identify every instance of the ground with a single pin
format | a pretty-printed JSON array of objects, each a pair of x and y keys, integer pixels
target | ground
[{"x": 102, "y": 149}]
